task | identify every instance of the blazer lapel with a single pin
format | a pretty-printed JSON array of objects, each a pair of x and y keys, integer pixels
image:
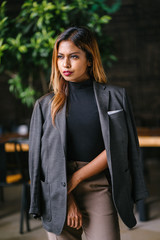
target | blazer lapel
[
  {"x": 102, "y": 99},
  {"x": 60, "y": 121},
  {"x": 102, "y": 96}
]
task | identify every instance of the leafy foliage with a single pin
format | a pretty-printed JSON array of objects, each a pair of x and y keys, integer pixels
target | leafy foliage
[{"x": 26, "y": 42}]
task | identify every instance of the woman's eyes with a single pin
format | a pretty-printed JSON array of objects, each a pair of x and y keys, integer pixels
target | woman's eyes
[
  {"x": 60, "y": 56},
  {"x": 72, "y": 56}
]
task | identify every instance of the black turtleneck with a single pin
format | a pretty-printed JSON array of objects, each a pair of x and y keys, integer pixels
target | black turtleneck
[{"x": 84, "y": 136}]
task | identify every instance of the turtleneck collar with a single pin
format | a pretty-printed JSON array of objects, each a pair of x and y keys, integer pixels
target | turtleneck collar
[{"x": 80, "y": 85}]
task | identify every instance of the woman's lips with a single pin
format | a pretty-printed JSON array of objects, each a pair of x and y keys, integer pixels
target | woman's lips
[{"x": 67, "y": 73}]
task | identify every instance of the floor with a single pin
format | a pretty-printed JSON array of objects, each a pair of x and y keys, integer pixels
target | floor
[{"x": 150, "y": 230}]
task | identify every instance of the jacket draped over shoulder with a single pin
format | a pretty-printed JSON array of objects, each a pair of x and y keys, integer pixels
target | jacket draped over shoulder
[{"x": 47, "y": 157}]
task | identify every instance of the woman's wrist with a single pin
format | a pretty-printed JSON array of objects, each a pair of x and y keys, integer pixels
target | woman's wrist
[
  {"x": 71, "y": 200},
  {"x": 77, "y": 176},
  {"x": 93, "y": 167}
]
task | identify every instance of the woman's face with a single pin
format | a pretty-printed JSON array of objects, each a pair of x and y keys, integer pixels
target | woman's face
[{"x": 72, "y": 62}]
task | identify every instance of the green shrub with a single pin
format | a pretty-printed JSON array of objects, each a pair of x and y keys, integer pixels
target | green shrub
[{"x": 26, "y": 42}]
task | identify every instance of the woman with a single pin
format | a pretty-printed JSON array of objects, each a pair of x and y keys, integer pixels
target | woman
[{"x": 84, "y": 155}]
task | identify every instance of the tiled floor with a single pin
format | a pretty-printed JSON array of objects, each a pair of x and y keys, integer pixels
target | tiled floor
[{"x": 150, "y": 230}]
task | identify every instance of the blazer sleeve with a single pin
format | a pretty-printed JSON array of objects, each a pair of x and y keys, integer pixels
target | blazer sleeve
[
  {"x": 35, "y": 134},
  {"x": 135, "y": 164}
]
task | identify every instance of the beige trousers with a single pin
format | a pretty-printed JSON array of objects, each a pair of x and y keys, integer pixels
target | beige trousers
[{"x": 99, "y": 217}]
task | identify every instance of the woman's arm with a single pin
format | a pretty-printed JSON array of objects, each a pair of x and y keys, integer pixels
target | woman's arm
[
  {"x": 34, "y": 159},
  {"x": 94, "y": 167}
]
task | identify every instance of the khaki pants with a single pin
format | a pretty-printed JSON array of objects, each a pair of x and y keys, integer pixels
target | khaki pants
[{"x": 94, "y": 199}]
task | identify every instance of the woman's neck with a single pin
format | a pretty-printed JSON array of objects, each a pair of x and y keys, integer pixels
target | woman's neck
[{"x": 80, "y": 85}]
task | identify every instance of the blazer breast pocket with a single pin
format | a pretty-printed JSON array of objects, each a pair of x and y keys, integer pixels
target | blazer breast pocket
[
  {"x": 115, "y": 113},
  {"x": 118, "y": 124}
]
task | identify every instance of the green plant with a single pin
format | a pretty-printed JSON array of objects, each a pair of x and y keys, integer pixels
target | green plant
[{"x": 26, "y": 42}]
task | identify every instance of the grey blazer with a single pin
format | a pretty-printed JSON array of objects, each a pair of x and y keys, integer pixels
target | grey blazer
[{"x": 47, "y": 157}]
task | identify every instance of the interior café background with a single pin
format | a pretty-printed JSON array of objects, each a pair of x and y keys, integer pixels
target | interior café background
[{"x": 135, "y": 31}]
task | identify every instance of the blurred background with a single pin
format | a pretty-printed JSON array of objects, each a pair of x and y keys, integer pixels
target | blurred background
[{"x": 128, "y": 34}]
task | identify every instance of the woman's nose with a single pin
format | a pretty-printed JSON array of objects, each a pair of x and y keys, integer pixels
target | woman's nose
[{"x": 66, "y": 63}]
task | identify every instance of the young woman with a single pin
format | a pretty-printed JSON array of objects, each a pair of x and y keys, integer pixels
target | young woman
[{"x": 83, "y": 154}]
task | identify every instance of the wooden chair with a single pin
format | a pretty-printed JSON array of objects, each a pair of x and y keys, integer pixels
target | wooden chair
[{"x": 13, "y": 171}]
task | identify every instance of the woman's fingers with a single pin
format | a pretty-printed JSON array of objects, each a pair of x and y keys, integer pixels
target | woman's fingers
[
  {"x": 68, "y": 220},
  {"x": 79, "y": 222},
  {"x": 74, "y": 221},
  {"x": 74, "y": 216}
]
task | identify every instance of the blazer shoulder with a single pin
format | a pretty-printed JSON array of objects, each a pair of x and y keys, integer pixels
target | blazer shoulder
[
  {"x": 115, "y": 89},
  {"x": 117, "y": 94},
  {"x": 43, "y": 103},
  {"x": 45, "y": 98}
]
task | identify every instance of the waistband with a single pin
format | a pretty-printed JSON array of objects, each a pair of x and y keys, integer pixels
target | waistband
[{"x": 74, "y": 166}]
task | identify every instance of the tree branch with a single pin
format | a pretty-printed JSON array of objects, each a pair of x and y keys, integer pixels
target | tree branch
[{"x": 10, "y": 74}]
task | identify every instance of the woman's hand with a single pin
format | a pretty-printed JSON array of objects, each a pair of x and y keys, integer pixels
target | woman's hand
[
  {"x": 73, "y": 181},
  {"x": 74, "y": 216}
]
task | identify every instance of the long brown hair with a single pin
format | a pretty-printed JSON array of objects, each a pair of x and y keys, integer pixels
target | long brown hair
[{"x": 84, "y": 39}]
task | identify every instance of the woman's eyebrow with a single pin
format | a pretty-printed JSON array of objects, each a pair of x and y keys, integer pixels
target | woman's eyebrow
[{"x": 69, "y": 53}]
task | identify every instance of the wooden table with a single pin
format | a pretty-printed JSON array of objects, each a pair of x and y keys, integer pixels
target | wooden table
[
  {"x": 147, "y": 138},
  {"x": 8, "y": 136},
  {"x": 10, "y": 139},
  {"x": 149, "y": 141},
  {"x": 10, "y": 147}
]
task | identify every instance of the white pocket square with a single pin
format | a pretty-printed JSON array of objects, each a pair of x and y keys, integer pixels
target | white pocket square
[{"x": 115, "y": 111}]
